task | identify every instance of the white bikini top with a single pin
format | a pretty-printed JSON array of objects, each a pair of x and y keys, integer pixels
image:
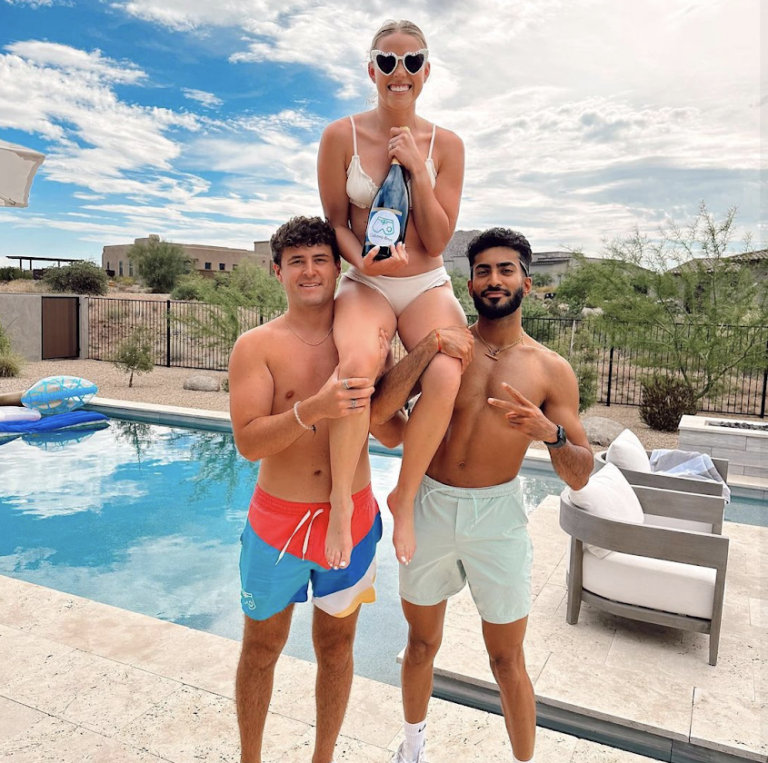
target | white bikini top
[{"x": 361, "y": 190}]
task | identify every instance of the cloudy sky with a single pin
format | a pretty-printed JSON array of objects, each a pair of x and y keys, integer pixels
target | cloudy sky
[{"x": 200, "y": 120}]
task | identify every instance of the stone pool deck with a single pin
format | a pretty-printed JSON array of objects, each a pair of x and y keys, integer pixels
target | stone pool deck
[
  {"x": 645, "y": 682},
  {"x": 83, "y": 681}
]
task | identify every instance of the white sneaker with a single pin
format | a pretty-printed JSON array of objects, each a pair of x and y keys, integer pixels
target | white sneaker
[{"x": 400, "y": 755}]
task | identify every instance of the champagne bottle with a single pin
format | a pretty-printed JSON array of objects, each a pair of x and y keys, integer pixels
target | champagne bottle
[{"x": 388, "y": 218}]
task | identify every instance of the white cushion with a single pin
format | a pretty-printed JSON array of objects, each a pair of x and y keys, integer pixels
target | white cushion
[
  {"x": 608, "y": 495},
  {"x": 14, "y": 413},
  {"x": 683, "y": 589},
  {"x": 627, "y": 452},
  {"x": 678, "y": 524}
]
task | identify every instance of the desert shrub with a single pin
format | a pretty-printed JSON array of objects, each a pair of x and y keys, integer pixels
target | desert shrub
[
  {"x": 664, "y": 400},
  {"x": 586, "y": 373},
  {"x": 190, "y": 287},
  {"x": 14, "y": 274},
  {"x": 134, "y": 353},
  {"x": 78, "y": 278},
  {"x": 11, "y": 362}
]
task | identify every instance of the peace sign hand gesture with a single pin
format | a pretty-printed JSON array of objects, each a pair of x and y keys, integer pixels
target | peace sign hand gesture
[{"x": 523, "y": 416}]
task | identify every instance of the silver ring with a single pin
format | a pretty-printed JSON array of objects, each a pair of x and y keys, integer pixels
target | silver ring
[
  {"x": 346, "y": 383},
  {"x": 354, "y": 402}
]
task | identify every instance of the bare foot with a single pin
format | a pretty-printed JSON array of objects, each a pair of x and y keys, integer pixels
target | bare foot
[
  {"x": 338, "y": 540},
  {"x": 404, "y": 536}
]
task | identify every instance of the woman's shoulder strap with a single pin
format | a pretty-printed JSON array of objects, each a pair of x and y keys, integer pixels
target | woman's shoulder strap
[
  {"x": 432, "y": 142},
  {"x": 354, "y": 135}
]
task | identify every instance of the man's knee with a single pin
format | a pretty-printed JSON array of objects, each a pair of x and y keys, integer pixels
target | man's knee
[
  {"x": 334, "y": 648},
  {"x": 422, "y": 651},
  {"x": 508, "y": 666},
  {"x": 262, "y": 644},
  {"x": 259, "y": 655}
]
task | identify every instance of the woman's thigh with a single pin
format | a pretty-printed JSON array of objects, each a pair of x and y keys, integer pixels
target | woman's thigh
[
  {"x": 434, "y": 309},
  {"x": 359, "y": 314}
]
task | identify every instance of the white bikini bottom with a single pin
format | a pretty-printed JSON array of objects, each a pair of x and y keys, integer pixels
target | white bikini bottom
[{"x": 400, "y": 292}]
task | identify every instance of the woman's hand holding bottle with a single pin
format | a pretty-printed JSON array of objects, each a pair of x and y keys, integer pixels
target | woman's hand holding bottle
[
  {"x": 372, "y": 267},
  {"x": 402, "y": 146}
]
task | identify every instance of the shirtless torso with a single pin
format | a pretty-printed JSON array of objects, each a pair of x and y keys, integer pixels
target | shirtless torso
[
  {"x": 289, "y": 370},
  {"x": 480, "y": 449}
]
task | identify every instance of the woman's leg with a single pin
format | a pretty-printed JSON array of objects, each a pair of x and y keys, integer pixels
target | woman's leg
[
  {"x": 359, "y": 314},
  {"x": 434, "y": 309}
]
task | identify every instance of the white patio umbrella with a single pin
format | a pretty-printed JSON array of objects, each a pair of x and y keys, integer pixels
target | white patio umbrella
[{"x": 18, "y": 166}]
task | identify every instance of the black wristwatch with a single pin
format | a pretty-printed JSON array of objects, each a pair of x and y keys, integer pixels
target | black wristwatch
[{"x": 560, "y": 441}]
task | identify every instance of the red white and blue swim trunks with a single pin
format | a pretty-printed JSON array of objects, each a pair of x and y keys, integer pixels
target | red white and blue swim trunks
[{"x": 283, "y": 551}]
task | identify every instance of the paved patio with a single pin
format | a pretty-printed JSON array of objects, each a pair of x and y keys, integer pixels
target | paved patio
[
  {"x": 83, "y": 681},
  {"x": 639, "y": 676}
]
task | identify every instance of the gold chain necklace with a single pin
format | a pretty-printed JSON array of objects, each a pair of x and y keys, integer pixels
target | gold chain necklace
[
  {"x": 493, "y": 353},
  {"x": 311, "y": 344}
]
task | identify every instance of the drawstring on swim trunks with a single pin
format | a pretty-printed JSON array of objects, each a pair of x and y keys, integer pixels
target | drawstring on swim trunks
[
  {"x": 312, "y": 517},
  {"x": 447, "y": 490}
]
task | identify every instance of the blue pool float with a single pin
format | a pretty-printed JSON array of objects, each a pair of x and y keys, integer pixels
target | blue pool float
[
  {"x": 58, "y": 394},
  {"x": 72, "y": 422}
]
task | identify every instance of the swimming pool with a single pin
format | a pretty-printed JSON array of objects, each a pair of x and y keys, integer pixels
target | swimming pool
[{"x": 148, "y": 518}]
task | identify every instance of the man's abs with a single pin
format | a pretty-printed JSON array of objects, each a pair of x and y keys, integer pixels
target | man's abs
[{"x": 303, "y": 472}]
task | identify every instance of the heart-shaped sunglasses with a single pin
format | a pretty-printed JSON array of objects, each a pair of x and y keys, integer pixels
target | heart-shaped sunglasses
[{"x": 386, "y": 63}]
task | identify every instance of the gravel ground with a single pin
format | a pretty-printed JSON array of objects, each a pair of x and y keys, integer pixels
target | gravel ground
[
  {"x": 165, "y": 386},
  {"x": 629, "y": 417}
]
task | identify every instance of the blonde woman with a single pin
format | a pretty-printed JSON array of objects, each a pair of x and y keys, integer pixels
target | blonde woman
[{"x": 411, "y": 291}]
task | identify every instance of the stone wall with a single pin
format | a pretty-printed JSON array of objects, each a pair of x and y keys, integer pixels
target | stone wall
[{"x": 746, "y": 450}]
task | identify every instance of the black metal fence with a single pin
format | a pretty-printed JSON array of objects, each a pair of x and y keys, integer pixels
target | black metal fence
[
  {"x": 183, "y": 334},
  {"x": 626, "y": 354},
  {"x": 196, "y": 335}
]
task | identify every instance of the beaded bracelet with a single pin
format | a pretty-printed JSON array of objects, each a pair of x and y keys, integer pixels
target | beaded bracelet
[{"x": 312, "y": 428}]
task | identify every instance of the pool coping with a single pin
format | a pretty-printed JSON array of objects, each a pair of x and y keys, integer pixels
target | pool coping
[{"x": 536, "y": 459}]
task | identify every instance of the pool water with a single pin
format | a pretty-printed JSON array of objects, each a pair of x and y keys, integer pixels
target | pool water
[{"x": 148, "y": 518}]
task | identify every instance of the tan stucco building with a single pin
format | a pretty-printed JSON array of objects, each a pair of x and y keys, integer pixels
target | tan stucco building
[{"x": 207, "y": 260}]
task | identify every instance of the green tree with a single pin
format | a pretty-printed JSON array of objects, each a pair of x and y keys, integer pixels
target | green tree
[
  {"x": 233, "y": 304},
  {"x": 190, "y": 287},
  {"x": 541, "y": 279},
  {"x": 703, "y": 311},
  {"x": 134, "y": 354},
  {"x": 159, "y": 264},
  {"x": 78, "y": 278}
]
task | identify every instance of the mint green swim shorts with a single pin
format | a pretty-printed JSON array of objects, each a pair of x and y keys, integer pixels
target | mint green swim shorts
[{"x": 475, "y": 535}]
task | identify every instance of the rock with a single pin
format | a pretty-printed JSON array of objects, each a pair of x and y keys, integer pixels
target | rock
[
  {"x": 601, "y": 431},
  {"x": 202, "y": 383}
]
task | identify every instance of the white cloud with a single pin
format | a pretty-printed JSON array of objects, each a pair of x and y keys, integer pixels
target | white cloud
[
  {"x": 207, "y": 99},
  {"x": 579, "y": 119},
  {"x": 34, "y": 4},
  {"x": 97, "y": 140},
  {"x": 66, "y": 57}
]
